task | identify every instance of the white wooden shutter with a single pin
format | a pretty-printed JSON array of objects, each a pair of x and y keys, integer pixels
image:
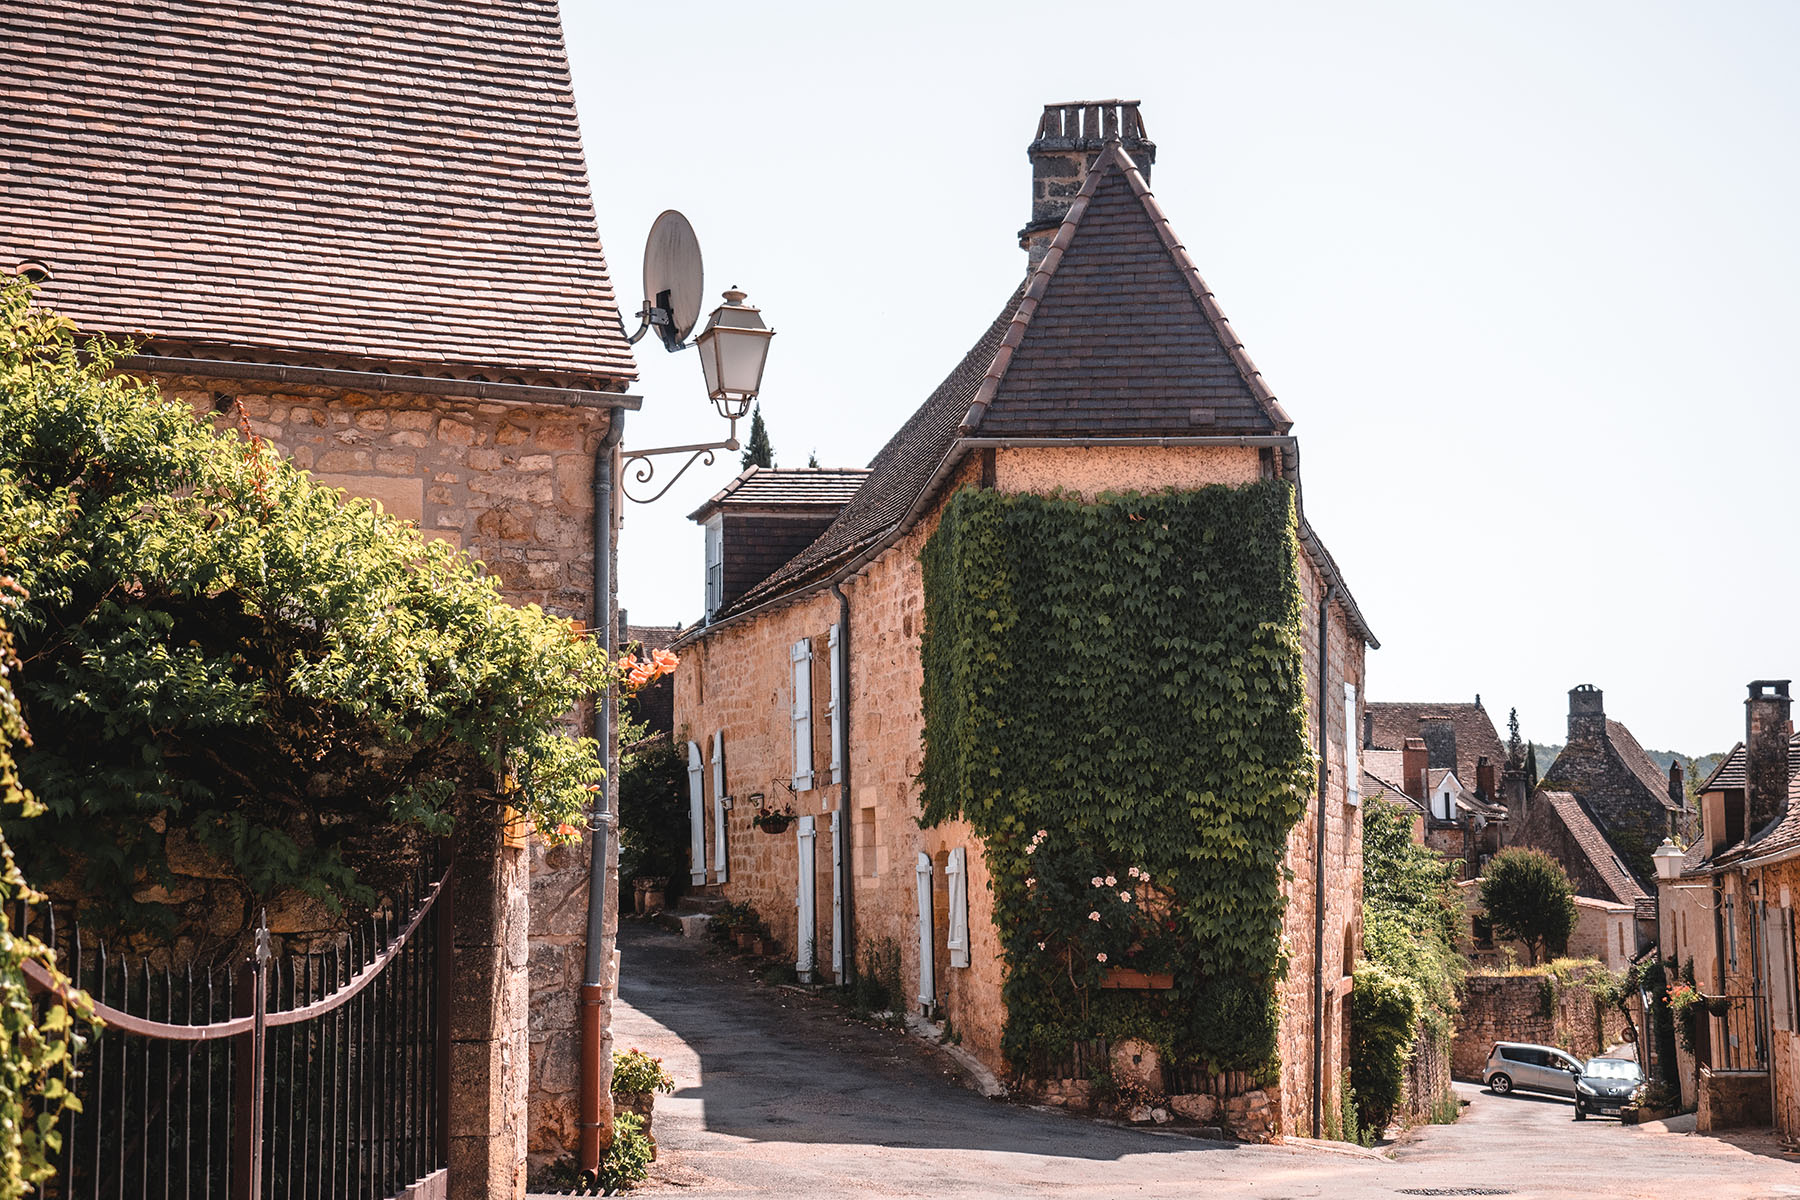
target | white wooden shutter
[
  {"x": 806, "y": 930},
  {"x": 1352, "y": 749},
  {"x": 927, "y": 971},
  {"x": 837, "y": 720},
  {"x": 801, "y": 656},
  {"x": 721, "y": 857},
  {"x": 837, "y": 896},
  {"x": 1778, "y": 955},
  {"x": 957, "y": 870},
  {"x": 696, "y": 815}
]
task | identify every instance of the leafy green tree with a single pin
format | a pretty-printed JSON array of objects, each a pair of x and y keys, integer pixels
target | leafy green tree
[
  {"x": 1515, "y": 746},
  {"x": 1412, "y": 915},
  {"x": 215, "y": 645},
  {"x": 1529, "y": 899},
  {"x": 38, "y": 1041},
  {"x": 757, "y": 450}
]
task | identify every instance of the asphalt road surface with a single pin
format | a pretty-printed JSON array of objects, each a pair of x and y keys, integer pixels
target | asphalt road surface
[{"x": 779, "y": 1094}]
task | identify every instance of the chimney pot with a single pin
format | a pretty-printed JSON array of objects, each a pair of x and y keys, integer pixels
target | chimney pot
[
  {"x": 1415, "y": 764},
  {"x": 1069, "y": 137}
]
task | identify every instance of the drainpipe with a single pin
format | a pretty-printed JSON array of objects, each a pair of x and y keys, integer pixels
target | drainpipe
[
  {"x": 594, "y": 998},
  {"x": 1318, "y": 1073},
  {"x": 846, "y": 813}
]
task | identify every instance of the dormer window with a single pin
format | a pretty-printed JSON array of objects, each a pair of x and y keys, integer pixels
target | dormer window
[
  {"x": 1444, "y": 806},
  {"x": 761, "y": 520}
]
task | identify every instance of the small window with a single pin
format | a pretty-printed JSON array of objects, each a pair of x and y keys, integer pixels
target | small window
[{"x": 715, "y": 566}]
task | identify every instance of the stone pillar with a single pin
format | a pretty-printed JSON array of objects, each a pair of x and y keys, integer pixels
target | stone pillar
[{"x": 488, "y": 1047}]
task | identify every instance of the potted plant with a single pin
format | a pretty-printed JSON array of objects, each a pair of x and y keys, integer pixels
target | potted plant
[
  {"x": 773, "y": 820},
  {"x": 636, "y": 1079},
  {"x": 655, "y": 894}
]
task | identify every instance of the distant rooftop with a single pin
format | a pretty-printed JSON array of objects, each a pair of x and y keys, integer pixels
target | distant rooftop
[{"x": 781, "y": 487}]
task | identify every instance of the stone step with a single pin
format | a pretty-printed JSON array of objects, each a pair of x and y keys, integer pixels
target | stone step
[{"x": 691, "y": 925}]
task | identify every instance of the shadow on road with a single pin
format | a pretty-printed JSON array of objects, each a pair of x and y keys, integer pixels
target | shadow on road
[{"x": 779, "y": 1066}]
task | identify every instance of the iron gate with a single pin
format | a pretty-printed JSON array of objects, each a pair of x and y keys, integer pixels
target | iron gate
[{"x": 307, "y": 1076}]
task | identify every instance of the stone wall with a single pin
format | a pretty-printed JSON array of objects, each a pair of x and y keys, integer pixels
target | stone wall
[
  {"x": 1534, "y": 1008},
  {"x": 1427, "y": 1077},
  {"x": 512, "y": 484},
  {"x": 1732, "y": 1100}
]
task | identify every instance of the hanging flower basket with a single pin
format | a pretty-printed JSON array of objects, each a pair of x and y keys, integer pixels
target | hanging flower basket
[
  {"x": 772, "y": 821},
  {"x": 1134, "y": 980}
]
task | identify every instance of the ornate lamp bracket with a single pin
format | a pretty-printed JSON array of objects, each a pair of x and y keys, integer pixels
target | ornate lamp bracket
[{"x": 638, "y": 467}]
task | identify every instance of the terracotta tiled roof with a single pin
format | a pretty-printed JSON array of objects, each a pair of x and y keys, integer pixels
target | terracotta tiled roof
[
  {"x": 1645, "y": 908},
  {"x": 766, "y": 487},
  {"x": 397, "y": 183},
  {"x": 1586, "y": 835},
  {"x": 1114, "y": 239},
  {"x": 1391, "y": 722}
]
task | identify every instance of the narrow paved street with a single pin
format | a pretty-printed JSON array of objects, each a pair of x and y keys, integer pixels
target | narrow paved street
[{"x": 782, "y": 1094}]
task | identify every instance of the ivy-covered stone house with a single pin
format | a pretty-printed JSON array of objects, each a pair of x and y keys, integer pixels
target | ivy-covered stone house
[
  {"x": 1064, "y": 697},
  {"x": 368, "y": 234}
]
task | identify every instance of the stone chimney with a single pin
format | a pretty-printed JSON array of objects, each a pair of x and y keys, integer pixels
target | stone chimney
[
  {"x": 1069, "y": 136},
  {"x": 1677, "y": 789},
  {"x": 1415, "y": 762},
  {"x": 1767, "y": 728},
  {"x": 1484, "y": 778},
  {"x": 1587, "y": 714}
]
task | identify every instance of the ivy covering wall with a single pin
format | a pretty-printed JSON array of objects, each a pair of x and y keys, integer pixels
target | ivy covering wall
[{"x": 1114, "y": 698}]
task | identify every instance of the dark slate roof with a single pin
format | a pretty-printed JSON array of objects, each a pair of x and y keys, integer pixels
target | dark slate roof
[
  {"x": 897, "y": 475},
  {"x": 652, "y": 637},
  {"x": 769, "y": 487},
  {"x": 1118, "y": 336},
  {"x": 1593, "y": 844},
  {"x": 1638, "y": 762},
  {"x": 976, "y": 392},
  {"x": 1391, "y": 722},
  {"x": 1730, "y": 771},
  {"x": 399, "y": 182}
]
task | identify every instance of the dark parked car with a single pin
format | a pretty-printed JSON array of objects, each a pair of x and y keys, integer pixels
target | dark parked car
[
  {"x": 1605, "y": 1086},
  {"x": 1521, "y": 1066}
]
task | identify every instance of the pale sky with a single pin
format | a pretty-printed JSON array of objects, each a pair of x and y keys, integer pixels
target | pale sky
[{"x": 1523, "y": 275}]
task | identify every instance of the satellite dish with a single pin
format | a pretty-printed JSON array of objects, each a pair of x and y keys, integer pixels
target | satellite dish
[{"x": 672, "y": 279}]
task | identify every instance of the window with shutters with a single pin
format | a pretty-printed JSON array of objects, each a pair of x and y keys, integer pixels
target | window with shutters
[
  {"x": 958, "y": 940},
  {"x": 801, "y": 656},
  {"x": 834, "y": 707},
  {"x": 715, "y": 566},
  {"x": 721, "y": 798}
]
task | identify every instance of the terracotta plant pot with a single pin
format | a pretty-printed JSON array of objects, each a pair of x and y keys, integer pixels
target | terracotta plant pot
[
  {"x": 744, "y": 940},
  {"x": 639, "y": 886},
  {"x": 655, "y": 894}
]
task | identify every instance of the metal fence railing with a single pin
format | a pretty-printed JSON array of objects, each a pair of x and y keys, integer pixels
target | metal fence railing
[
  {"x": 1738, "y": 1031},
  {"x": 304, "y": 1076}
]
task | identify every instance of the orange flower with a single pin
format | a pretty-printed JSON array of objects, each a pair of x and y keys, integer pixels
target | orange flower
[
  {"x": 565, "y": 830},
  {"x": 665, "y": 661}
]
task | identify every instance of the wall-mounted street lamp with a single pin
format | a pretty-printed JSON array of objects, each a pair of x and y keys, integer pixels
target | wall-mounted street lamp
[
  {"x": 733, "y": 346},
  {"x": 1669, "y": 859}
]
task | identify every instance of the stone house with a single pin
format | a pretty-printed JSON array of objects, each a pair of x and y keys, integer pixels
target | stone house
[
  {"x": 1630, "y": 799},
  {"x": 369, "y": 233},
  {"x": 1109, "y": 370},
  {"x": 1446, "y": 758},
  {"x": 1727, "y": 915}
]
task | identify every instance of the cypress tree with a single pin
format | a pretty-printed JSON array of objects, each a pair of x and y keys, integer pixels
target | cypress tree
[{"x": 758, "y": 452}]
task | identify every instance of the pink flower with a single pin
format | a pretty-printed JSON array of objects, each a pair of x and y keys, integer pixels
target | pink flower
[
  {"x": 1031, "y": 849},
  {"x": 1125, "y": 896},
  {"x": 1042, "y": 834},
  {"x": 1097, "y": 881},
  {"x": 1031, "y": 881},
  {"x": 1100, "y": 957},
  {"x": 1093, "y": 916},
  {"x": 1040, "y": 945},
  {"x": 1111, "y": 881}
]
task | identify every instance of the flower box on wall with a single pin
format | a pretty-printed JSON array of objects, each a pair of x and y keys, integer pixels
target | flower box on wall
[{"x": 1131, "y": 978}]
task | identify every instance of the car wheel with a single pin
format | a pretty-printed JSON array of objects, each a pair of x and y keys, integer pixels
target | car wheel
[{"x": 1500, "y": 1084}]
